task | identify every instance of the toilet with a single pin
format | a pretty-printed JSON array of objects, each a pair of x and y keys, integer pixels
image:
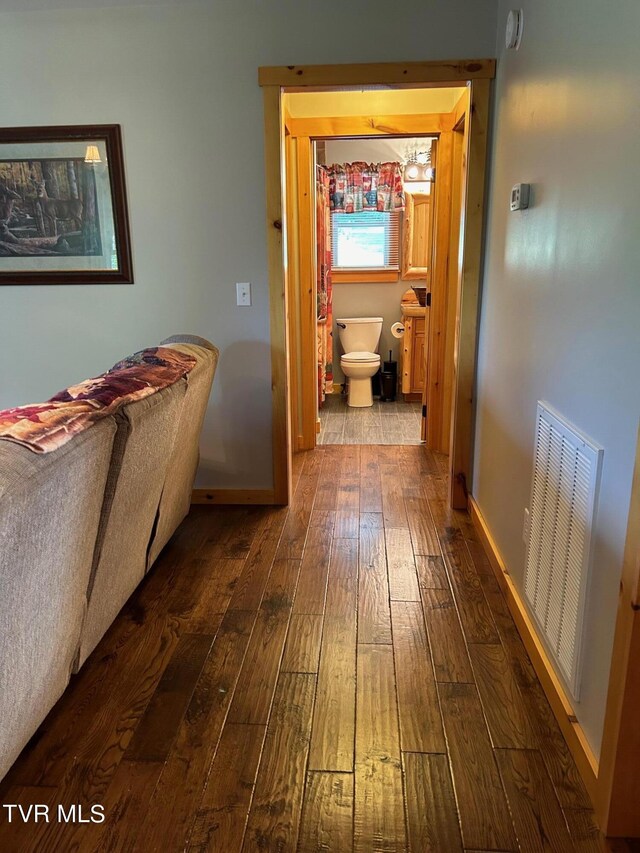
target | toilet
[{"x": 359, "y": 337}]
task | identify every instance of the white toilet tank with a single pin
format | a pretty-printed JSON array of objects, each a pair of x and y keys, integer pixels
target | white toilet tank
[{"x": 359, "y": 334}]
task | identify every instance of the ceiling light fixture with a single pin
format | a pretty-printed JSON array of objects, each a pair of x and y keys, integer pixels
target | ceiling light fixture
[{"x": 417, "y": 167}]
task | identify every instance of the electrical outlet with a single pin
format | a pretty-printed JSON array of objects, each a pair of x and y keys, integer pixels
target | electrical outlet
[
  {"x": 243, "y": 293},
  {"x": 526, "y": 527}
]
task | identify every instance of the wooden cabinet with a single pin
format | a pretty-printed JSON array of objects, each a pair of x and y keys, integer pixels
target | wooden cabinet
[
  {"x": 413, "y": 363},
  {"x": 418, "y": 236}
]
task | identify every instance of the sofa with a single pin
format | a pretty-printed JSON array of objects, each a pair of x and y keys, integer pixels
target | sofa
[{"x": 79, "y": 529}]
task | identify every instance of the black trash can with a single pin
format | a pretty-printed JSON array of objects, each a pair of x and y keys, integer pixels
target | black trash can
[
  {"x": 388, "y": 380},
  {"x": 390, "y": 366}
]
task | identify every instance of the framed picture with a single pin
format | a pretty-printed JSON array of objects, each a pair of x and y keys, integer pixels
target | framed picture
[{"x": 63, "y": 206}]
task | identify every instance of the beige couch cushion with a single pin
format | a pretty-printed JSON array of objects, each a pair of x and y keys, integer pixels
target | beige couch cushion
[
  {"x": 181, "y": 471},
  {"x": 143, "y": 445},
  {"x": 49, "y": 511}
]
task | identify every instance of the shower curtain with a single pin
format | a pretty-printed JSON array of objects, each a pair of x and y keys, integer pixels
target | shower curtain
[{"x": 325, "y": 314}]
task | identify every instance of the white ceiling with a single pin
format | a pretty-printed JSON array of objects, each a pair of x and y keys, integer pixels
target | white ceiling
[{"x": 373, "y": 102}]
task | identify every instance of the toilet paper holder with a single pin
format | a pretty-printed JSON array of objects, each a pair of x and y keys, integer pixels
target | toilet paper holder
[{"x": 397, "y": 330}]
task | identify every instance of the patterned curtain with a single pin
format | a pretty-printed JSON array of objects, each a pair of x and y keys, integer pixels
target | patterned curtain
[
  {"x": 325, "y": 313},
  {"x": 354, "y": 187}
]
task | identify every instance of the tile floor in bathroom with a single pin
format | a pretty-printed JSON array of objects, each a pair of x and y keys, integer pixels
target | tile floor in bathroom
[{"x": 383, "y": 423}]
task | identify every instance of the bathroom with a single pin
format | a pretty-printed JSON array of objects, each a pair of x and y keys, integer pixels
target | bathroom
[{"x": 367, "y": 408}]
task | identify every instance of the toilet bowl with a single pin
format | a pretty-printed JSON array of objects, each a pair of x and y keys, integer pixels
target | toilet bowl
[{"x": 359, "y": 337}]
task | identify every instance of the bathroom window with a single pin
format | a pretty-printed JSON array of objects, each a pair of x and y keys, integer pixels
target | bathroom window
[{"x": 365, "y": 246}]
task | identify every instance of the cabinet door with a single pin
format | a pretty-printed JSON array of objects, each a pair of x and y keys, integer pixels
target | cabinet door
[
  {"x": 418, "y": 230},
  {"x": 418, "y": 360}
]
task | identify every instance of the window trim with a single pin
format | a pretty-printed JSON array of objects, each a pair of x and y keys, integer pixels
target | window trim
[{"x": 341, "y": 275}]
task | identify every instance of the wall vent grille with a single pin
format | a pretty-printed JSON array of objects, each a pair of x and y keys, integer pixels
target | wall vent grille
[{"x": 566, "y": 474}]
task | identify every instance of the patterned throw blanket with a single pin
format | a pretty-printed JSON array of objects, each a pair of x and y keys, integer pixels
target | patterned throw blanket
[{"x": 43, "y": 427}]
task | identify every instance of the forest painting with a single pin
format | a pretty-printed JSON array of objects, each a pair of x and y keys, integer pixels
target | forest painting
[
  {"x": 63, "y": 206},
  {"x": 48, "y": 207}
]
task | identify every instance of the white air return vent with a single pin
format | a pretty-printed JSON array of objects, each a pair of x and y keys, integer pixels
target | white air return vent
[{"x": 566, "y": 474}]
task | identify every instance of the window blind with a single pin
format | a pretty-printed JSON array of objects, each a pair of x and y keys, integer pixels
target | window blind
[{"x": 367, "y": 240}]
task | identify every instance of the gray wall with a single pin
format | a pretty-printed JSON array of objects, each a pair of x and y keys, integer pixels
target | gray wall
[
  {"x": 380, "y": 299},
  {"x": 561, "y": 302},
  {"x": 182, "y": 82}
]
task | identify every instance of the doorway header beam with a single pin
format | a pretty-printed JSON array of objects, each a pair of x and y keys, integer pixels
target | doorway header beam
[{"x": 365, "y": 74}]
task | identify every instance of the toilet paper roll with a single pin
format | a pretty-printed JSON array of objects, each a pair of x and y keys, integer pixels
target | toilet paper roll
[{"x": 397, "y": 330}]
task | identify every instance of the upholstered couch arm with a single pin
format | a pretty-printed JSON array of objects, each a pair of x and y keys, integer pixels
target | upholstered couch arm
[{"x": 188, "y": 339}]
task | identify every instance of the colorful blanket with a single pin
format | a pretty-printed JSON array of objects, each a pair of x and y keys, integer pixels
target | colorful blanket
[{"x": 43, "y": 427}]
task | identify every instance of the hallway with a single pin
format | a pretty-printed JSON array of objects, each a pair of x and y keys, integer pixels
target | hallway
[{"x": 343, "y": 675}]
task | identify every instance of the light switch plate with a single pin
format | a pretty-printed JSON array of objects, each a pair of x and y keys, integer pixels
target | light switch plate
[{"x": 243, "y": 293}]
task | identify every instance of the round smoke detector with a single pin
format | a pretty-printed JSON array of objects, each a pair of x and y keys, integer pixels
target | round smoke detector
[{"x": 513, "y": 35}]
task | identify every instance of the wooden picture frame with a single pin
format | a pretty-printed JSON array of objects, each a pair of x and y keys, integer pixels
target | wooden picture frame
[{"x": 63, "y": 206}]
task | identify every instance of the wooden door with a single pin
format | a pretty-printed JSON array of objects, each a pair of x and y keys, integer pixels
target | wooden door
[
  {"x": 417, "y": 224},
  {"x": 437, "y": 398},
  {"x": 427, "y": 317},
  {"x": 301, "y": 268},
  {"x": 418, "y": 358}
]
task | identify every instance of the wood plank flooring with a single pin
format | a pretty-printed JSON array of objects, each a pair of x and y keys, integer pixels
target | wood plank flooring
[{"x": 342, "y": 675}]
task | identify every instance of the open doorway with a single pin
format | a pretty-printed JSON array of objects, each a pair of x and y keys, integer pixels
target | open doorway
[
  {"x": 372, "y": 286},
  {"x": 294, "y": 369},
  {"x": 373, "y": 219}
]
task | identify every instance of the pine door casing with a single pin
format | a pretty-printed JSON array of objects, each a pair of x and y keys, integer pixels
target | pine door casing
[{"x": 476, "y": 74}]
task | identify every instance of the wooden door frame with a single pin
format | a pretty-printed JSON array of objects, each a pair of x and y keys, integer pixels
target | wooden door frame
[
  {"x": 302, "y": 247},
  {"x": 436, "y": 421},
  {"x": 618, "y": 781},
  {"x": 301, "y": 300},
  {"x": 437, "y": 428},
  {"x": 274, "y": 80}
]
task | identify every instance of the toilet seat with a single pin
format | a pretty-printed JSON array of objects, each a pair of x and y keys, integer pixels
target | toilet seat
[{"x": 360, "y": 358}]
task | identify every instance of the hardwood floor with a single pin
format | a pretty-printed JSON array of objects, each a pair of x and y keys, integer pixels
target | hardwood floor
[{"x": 340, "y": 676}]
